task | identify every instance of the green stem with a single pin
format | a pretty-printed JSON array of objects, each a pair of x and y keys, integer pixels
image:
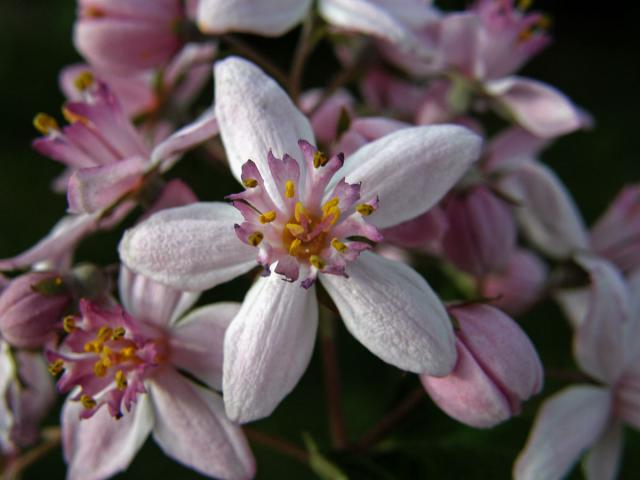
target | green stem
[{"x": 247, "y": 51}]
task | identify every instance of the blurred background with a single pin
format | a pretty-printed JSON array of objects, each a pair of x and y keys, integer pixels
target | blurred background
[{"x": 594, "y": 60}]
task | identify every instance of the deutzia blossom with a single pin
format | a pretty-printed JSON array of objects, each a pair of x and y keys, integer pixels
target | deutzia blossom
[{"x": 307, "y": 219}]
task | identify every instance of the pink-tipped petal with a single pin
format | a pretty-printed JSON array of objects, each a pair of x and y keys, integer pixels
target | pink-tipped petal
[
  {"x": 267, "y": 347},
  {"x": 270, "y": 18},
  {"x": 567, "y": 424},
  {"x": 189, "y": 248},
  {"x": 393, "y": 312},
  {"x": 433, "y": 159},
  {"x": 603, "y": 459},
  {"x": 512, "y": 147},
  {"x": 192, "y": 428},
  {"x": 197, "y": 341},
  {"x": 97, "y": 448}
]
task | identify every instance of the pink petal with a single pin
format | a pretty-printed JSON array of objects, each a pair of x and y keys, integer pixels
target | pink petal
[
  {"x": 567, "y": 424},
  {"x": 424, "y": 231},
  {"x": 191, "y": 427},
  {"x": 267, "y": 347},
  {"x": 189, "y": 248},
  {"x": 512, "y": 147},
  {"x": 394, "y": 313},
  {"x": 197, "y": 341}
]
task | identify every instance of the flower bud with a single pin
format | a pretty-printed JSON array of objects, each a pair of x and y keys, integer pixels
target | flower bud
[
  {"x": 497, "y": 368},
  {"x": 482, "y": 231},
  {"x": 31, "y": 307},
  {"x": 425, "y": 231}
]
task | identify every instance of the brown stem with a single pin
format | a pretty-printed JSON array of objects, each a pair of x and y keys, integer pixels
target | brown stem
[
  {"x": 390, "y": 421},
  {"x": 50, "y": 440},
  {"x": 277, "y": 444},
  {"x": 247, "y": 51},
  {"x": 299, "y": 58},
  {"x": 331, "y": 376}
]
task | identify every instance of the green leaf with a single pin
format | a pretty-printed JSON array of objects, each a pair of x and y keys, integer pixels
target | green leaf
[{"x": 319, "y": 464}]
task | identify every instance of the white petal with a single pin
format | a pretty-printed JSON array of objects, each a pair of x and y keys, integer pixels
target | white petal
[
  {"x": 191, "y": 427},
  {"x": 393, "y": 312},
  {"x": 255, "y": 115},
  {"x": 267, "y": 347},
  {"x": 567, "y": 424},
  {"x": 547, "y": 214},
  {"x": 603, "y": 459},
  {"x": 197, "y": 341},
  {"x": 101, "y": 446},
  {"x": 270, "y": 18},
  {"x": 411, "y": 169},
  {"x": 188, "y": 248}
]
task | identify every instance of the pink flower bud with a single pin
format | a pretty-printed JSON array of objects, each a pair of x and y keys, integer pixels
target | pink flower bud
[
  {"x": 31, "y": 307},
  {"x": 482, "y": 231},
  {"x": 425, "y": 231},
  {"x": 497, "y": 368}
]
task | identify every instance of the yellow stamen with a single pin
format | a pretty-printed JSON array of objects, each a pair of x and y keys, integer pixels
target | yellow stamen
[
  {"x": 104, "y": 334},
  {"x": 118, "y": 333},
  {"x": 83, "y": 81},
  {"x": 121, "y": 380},
  {"x": 74, "y": 117},
  {"x": 267, "y": 217},
  {"x": 289, "y": 189},
  {"x": 328, "y": 206},
  {"x": 57, "y": 281},
  {"x": 365, "y": 209},
  {"x": 255, "y": 238},
  {"x": 319, "y": 159},
  {"x": 524, "y": 5},
  {"x": 56, "y": 367},
  {"x": 94, "y": 346},
  {"x": 128, "y": 352},
  {"x": 295, "y": 229},
  {"x": 69, "y": 324},
  {"x": 250, "y": 183},
  {"x": 45, "y": 124},
  {"x": 295, "y": 245},
  {"x": 317, "y": 262},
  {"x": 99, "y": 369},
  {"x": 300, "y": 212},
  {"x": 87, "y": 402},
  {"x": 339, "y": 246}
]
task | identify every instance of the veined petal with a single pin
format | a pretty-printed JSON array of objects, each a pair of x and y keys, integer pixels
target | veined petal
[
  {"x": 567, "y": 424},
  {"x": 603, "y": 459},
  {"x": 267, "y": 347},
  {"x": 197, "y": 341},
  {"x": 393, "y": 312},
  {"x": 189, "y": 248},
  {"x": 191, "y": 427},
  {"x": 99, "y": 447},
  {"x": 411, "y": 169},
  {"x": 538, "y": 107},
  {"x": 270, "y": 18},
  {"x": 255, "y": 115}
]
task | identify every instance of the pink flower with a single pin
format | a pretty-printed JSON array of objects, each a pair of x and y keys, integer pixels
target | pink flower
[
  {"x": 497, "y": 368},
  {"x": 590, "y": 417},
  {"x": 300, "y": 226},
  {"x": 121, "y": 367},
  {"x": 124, "y": 36}
]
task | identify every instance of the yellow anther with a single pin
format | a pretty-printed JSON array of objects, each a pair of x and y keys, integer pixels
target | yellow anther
[
  {"x": 289, "y": 189},
  {"x": 339, "y": 246},
  {"x": 544, "y": 23},
  {"x": 331, "y": 204},
  {"x": 317, "y": 262},
  {"x": 300, "y": 212},
  {"x": 295, "y": 229},
  {"x": 250, "y": 183},
  {"x": 121, "y": 380},
  {"x": 57, "y": 281},
  {"x": 128, "y": 352},
  {"x": 69, "y": 324},
  {"x": 87, "y": 402},
  {"x": 295, "y": 245},
  {"x": 45, "y": 124},
  {"x": 106, "y": 355},
  {"x": 255, "y": 238},
  {"x": 365, "y": 209},
  {"x": 524, "y": 5},
  {"x": 104, "y": 334},
  {"x": 94, "y": 346},
  {"x": 319, "y": 159},
  {"x": 83, "y": 81},
  {"x": 99, "y": 369},
  {"x": 267, "y": 217},
  {"x": 56, "y": 367},
  {"x": 74, "y": 117},
  {"x": 118, "y": 333}
]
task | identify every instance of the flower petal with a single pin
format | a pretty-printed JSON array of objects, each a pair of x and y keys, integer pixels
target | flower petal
[
  {"x": 536, "y": 106},
  {"x": 603, "y": 459},
  {"x": 197, "y": 341},
  {"x": 191, "y": 427},
  {"x": 393, "y": 312},
  {"x": 100, "y": 446},
  {"x": 567, "y": 424},
  {"x": 267, "y": 347},
  {"x": 256, "y": 115},
  {"x": 433, "y": 158},
  {"x": 188, "y": 248},
  {"x": 270, "y": 18}
]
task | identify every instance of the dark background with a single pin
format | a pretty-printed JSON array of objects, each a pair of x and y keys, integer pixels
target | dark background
[{"x": 594, "y": 59}]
